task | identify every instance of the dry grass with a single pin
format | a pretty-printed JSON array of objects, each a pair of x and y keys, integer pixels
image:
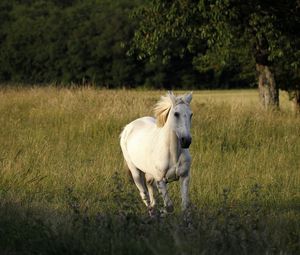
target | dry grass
[{"x": 55, "y": 140}]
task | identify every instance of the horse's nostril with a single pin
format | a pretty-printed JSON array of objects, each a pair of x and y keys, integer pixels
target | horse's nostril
[
  {"x": 189, "y": 140},
  {"x": 185, "y": 142}
]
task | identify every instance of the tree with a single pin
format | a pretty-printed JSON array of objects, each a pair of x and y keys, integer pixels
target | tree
[
  {"x": 288, "y": 66},
  {"x": 68, "y": 42},
  {"x": 218, "y": 31}
]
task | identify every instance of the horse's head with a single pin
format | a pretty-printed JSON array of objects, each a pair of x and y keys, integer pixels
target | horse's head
[
  {"x": 180, "y": 118},
  {"x": 177, "y": 112}
]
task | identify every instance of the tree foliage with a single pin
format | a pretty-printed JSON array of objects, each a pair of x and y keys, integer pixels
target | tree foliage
[
  {"x": 68, "y": 41},
  {"x": 160, "y": 44},
  {"x": 224, "y": 35},
  {"x": 75, "y": 41}
]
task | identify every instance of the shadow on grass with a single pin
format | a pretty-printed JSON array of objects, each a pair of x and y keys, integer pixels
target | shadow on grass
[{"x": 125, "y": 230}]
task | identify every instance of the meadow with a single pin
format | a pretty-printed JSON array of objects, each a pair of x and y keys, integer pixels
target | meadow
[{"x": 64, "y": 190}]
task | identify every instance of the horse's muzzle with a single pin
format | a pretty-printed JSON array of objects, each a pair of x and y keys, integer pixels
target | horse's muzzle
[{"x": 185, "y": 142}]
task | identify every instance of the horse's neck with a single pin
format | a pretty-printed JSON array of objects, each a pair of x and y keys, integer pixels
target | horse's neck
[
  {"x": 174, "y": 148},
  {"x": 172, "y": 143}
]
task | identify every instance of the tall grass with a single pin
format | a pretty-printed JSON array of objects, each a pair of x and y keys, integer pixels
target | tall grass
[{"x": 63, "y": 188}]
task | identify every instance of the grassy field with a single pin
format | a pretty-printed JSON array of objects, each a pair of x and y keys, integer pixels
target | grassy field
[{"x": 63, "y": 188}]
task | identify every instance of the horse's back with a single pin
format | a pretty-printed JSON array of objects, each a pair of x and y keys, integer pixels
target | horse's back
[
  {"x": 138, "y": 125},
  {"x": 136, "y": 139},
  {"x": 144, "y": 121}
]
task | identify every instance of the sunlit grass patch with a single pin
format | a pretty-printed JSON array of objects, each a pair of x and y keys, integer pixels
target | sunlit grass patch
[{"x": 59, "y": 155}]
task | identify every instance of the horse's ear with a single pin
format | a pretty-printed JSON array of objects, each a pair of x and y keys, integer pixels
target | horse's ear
[
  {"x": 187, "y": 98},
  {"x": 171, "y": 95}
]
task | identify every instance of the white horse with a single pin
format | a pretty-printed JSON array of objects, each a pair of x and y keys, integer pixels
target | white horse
[{"x": 156, "y": 150}]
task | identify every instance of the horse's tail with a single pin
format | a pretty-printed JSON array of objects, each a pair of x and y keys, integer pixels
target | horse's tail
[{"x": 123, "y": 143}]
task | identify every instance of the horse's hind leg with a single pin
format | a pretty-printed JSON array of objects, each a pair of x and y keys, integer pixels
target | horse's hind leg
[
  {"x": 150, "y": 182},
  {"x": 139, "y": 180}
]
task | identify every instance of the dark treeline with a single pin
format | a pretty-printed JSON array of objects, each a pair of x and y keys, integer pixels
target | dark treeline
[{"x": 74, "y": 41}]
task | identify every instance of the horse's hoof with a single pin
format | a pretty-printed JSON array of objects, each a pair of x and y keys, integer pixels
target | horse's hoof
[
  {"x": 170, "y": 208},
  {"x": 163, "y": 213},
  {"x": 152, "y": 212}
]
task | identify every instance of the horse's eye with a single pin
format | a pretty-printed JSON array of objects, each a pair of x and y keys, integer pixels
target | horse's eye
[{"x": 176, "y": 114}]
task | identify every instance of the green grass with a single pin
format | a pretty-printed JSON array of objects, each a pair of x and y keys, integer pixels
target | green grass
[{"x": 59, "y": 191}]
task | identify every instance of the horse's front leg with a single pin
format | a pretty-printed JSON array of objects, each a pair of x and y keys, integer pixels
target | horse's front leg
[
  {"x": 184, "y": 182},
  {"x": 162, "y": 188},
  {"x": 184, "y": 175}
]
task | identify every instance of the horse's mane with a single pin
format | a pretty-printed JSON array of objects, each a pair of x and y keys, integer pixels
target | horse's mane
[{"x": 163, "y": 107}]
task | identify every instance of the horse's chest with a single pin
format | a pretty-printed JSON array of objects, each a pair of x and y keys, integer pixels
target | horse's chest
[{"x": 164, "y": 167}]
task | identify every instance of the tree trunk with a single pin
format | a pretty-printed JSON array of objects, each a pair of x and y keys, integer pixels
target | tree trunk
[
  {"x": 268, "y": 91},
  {"x": 296, "y": 101}
]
